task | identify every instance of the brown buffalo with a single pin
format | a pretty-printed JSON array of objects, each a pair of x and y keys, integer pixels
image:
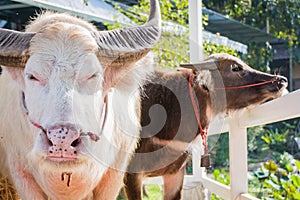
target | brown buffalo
[{"x": 222, "y": 83}]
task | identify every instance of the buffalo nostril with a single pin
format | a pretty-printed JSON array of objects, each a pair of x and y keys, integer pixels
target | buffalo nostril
[
  {"x": 76, "y": 142},
  {"x": 63, "y": 141},
  {"x": 281, "y": 79},
  {"x": 50, "y": 142}
]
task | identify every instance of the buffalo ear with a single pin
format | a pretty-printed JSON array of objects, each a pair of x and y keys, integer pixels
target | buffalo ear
[
  {"x": 112, "y": 76},
  {"x": 204, "y": 79},
  {"x": 129, "y": 74},
  {"x": 203, "y": 72}
]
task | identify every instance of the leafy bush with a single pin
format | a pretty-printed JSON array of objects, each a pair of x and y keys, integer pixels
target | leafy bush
[
  {"x": 277, "y": 178},
  {"x": 221, "y": 176},
  {"x": 275, "y": 139},
  {"x": 279, "y": 181},
  {"x": 220, "y": 151}
]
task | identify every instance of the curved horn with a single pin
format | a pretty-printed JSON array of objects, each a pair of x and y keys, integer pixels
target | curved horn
[
  {"x": 126, "y": 45},
  {"x": 14, "y": 47},
  {"x": 204, "y": 65}
]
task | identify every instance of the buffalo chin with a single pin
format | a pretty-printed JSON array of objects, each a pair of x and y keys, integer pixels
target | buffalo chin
[{"x": 68, "y": 179}]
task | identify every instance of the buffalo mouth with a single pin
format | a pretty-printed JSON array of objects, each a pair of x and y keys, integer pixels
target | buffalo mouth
[
  {"x": 60, "y": 159},
  {"x": 281, "y": 82},
  {"x": 277, "y": 87},
  {"x": 269, "y": 99}
]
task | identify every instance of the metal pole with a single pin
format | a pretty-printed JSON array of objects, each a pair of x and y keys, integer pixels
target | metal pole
[
  {"x": 196, "y": 55},
  {"x": 291, "y": 69},
  {"x": 195, "y": 28}
]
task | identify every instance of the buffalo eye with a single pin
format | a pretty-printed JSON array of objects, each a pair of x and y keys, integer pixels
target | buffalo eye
[
  {"x": 95, "y": 75},
  {"x": 32, "y": 77},
  {"x": 236, "y": 68}
]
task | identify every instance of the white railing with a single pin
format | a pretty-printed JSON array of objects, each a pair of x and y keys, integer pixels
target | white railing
[{"x": 283, "y": 108}]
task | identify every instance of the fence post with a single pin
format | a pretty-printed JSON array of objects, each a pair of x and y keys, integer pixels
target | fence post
[
  {"x": 238, "y": 159},
  {"x": 195, "y": 28},
  {"x": 198, "y": 171}
]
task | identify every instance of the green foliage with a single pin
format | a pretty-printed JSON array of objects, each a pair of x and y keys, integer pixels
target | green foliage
[
  {"x": 220, "y": 152},
  {"x": 85, "y": 2},
  {"x": 221, "y": 176},
  {"x": 275, "y": 139},
  {"x": 279, "y": 177},
  {"x": 173, "y": 47},
  {"x": 273, "y": 180},
  {"x": 276, "y": 135},
  {"x": 255, "y": 144},
  {"x": 258, "y": 56},
  {"x": 210, "y": 48},
  {"x": 279, "y": 17},
  {"x": 279, "y": 181},
  {"x": 171, "y": 54},
  {"x": 154, "y": 192}
]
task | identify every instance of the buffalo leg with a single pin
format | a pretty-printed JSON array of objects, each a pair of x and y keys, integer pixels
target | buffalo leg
[
  {"x": 133, "y": 186},
  {"x": 173, "y": 185}
]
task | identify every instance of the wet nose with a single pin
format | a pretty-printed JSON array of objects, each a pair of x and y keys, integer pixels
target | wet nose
[
  {"x": 281, "y": 79},
  {"x": 63, "y": 141}
]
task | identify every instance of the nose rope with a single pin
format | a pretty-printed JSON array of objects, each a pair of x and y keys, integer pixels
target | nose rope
[
  {"x": 246, "y": 86},
  {"x": 93, "y": 136},
  {"x": 27, "y": 113},
  {"x": 205, "y": 159}
]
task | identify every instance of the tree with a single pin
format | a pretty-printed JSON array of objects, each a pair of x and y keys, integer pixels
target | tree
[{"x": 278, "y": 17}]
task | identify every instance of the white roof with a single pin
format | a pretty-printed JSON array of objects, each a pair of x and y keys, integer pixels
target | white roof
[
  {"x": 98, "y": 10},
  {"x": 207, "y": 36},
  {"x": 94, "y": 10}
]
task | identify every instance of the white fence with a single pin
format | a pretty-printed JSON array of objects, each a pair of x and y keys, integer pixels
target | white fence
[{"x": 283, "y": 108}]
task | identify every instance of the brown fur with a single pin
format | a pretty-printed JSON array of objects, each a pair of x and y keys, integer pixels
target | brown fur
[{"x": 170, "y": 90}]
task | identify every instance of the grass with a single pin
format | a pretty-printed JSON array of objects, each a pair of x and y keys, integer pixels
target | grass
[{"x": 154, "y": 192}]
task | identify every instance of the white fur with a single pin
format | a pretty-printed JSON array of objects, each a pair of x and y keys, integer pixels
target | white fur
[{"x": 63, "y": 63}]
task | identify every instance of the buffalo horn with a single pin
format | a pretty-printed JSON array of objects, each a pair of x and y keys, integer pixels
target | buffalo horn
[
  {"x": 14, "y": 47},
  {"x": 127, "y": 45},
  {"x": 204, "y": 65}
]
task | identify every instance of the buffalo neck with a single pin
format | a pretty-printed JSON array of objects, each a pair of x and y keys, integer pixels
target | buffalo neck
[{"x": 171, "y": 91}]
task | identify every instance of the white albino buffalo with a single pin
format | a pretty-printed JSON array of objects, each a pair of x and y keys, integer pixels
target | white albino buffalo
[{"x": 64, "y": 132}]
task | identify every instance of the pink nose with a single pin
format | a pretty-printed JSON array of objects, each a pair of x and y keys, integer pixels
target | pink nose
[{"x": 63, "y": 142}]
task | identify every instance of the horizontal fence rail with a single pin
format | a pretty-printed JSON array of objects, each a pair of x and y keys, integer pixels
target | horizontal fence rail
[{"x": 283, "y": 108}]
